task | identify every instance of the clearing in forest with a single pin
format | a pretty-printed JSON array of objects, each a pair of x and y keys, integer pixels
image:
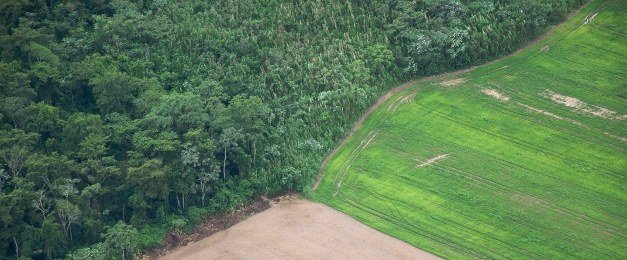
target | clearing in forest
[
  {"x": 535, "y": 145},
  {"x": 299, "y": 229}
]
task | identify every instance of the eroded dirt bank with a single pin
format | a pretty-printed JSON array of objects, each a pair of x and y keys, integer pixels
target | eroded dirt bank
[{"x": 299, "y": 229}]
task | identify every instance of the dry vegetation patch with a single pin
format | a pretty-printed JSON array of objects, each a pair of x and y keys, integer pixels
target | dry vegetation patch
[
  {"x": 453, "y": 82},
  {"x": 495, "y": 94},
  {"x": 580, "y": 106}
]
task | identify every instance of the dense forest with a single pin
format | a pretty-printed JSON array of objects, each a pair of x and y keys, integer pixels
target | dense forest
[{"x": 121, "y": 120}]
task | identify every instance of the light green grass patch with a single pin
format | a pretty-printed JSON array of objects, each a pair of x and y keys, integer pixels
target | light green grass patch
[{"x": 525, "y": 177}]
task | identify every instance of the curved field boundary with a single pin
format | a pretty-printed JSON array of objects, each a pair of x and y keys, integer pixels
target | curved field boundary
[
  {"x": 383, "y": 99},
  {"x": 522, "y": 176}
]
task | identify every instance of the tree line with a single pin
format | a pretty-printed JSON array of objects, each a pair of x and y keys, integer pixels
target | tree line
[{"x": 121, "y": 120}]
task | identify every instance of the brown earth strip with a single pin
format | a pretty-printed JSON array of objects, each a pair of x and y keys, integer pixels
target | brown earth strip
[
  {"x": 175, "y": 239},
  {"x": 299, "y": 229},
  {"x": 495, "y": 94},
  {"x": 578, "y": 105}
]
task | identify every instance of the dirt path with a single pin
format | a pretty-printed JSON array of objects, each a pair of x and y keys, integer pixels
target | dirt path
[{"x": 299, "y": 229}]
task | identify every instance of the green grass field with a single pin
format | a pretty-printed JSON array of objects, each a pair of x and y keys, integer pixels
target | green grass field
[{"x": 537, "y": 169}]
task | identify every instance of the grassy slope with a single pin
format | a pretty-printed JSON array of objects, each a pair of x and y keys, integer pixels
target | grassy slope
[{"x": 517, "y": 183}]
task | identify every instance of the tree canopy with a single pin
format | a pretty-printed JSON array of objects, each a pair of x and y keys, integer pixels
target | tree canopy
[{"x": 122, "y": 117}]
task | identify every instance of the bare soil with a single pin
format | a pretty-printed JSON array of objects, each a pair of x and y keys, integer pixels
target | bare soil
[
  {"x": 453, "y": 82},
  {"x": 299, "y": 229},
  {"x": 174, "y": 240},
  {"x": 578, "y": 105},
  {"x": 495, "y": 94}
]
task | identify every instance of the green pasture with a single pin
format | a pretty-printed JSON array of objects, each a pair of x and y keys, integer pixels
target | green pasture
[{"x": 540, "y": 173}]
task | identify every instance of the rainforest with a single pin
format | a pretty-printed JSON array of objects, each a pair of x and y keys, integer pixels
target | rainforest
[{"x": 121, "y": 120}]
